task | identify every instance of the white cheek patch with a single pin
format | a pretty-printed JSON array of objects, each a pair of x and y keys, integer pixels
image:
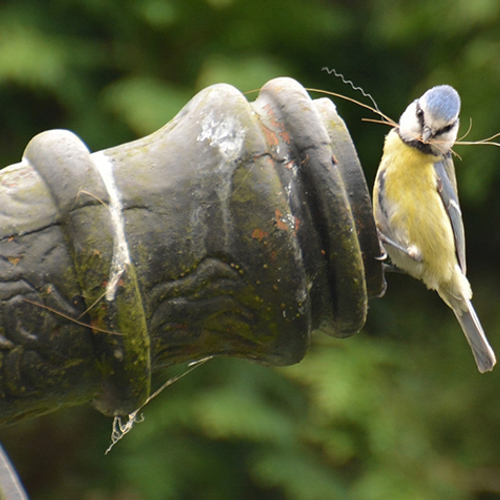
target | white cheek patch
[{"x": 409, "y": 126}]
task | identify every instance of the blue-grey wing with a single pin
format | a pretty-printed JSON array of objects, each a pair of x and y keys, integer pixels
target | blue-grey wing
[
  {"x": 447, "y": 188},
  {"x": 382, "y": 210}
]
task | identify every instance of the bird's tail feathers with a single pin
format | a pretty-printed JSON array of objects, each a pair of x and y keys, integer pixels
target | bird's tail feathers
[{"x": 474, "y": 333}]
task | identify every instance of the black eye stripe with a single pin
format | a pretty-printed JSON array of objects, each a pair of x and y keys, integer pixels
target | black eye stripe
[{"x": 446, "y": 129}]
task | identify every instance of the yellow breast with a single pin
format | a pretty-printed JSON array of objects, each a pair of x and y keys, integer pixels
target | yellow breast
[{"x": 417, "y": 215}]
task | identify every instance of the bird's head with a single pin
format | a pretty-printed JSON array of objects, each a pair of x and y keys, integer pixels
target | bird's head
[{"x": 430, "y": 123}]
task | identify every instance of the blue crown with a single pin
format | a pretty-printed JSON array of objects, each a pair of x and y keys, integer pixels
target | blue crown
[{"x": 443, "y": 102}]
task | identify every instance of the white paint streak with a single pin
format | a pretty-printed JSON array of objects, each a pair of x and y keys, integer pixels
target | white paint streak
[
  {"x": 121, "y": 255},
  {"x": 226, "y": 134}
]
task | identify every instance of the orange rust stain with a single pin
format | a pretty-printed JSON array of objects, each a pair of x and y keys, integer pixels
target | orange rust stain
[
  {"x": 259, "y": 234},
  {"x": 14, "y": 260},
  {"x": 272, "y": 117},
  {"x": 285, "y": 136},
  {"x": 274, "y": 122},
  {"x": 297, "y": 223},
  {"x": 281, "y": 225},
  {"x": 271, "y": 137},
  {"x": 279, "y": 222}
]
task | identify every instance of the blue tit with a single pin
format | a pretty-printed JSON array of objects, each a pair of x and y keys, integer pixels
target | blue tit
[{"x": 417, "y": 212}]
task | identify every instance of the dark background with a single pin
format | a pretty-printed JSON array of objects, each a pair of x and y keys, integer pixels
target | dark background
[{"x": 397, "y": 412}]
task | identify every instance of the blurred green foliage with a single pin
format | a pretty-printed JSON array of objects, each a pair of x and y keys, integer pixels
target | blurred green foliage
[{"x": 398, "y": 412}]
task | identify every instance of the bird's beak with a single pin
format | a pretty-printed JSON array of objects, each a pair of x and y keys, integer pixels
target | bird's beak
[{"x": 426, "y": 134}]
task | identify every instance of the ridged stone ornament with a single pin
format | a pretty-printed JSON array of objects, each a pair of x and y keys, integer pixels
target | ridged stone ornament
[{"x": 237, "y": 230}]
